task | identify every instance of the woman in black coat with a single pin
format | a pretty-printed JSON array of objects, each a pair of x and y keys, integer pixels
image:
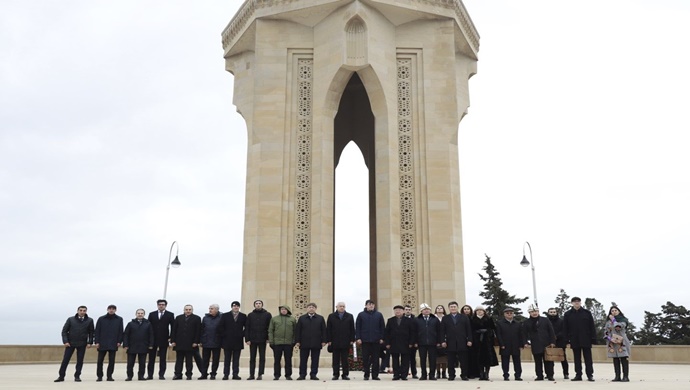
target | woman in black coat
[
  {"x": 138, "y": 340},
  {"x": 483, "y": 328}
]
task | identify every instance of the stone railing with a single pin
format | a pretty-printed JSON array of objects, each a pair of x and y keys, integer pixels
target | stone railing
[
  {"x": 31, "y": 354},
  {"x": 249, "y": 7}
]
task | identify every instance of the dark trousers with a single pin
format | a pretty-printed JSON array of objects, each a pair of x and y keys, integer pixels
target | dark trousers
[
  {"x": 187, "y": 357},
  {"x": 577, "y": 356},
  {"x": 427, "y": 351},
  {"x": 131, "y": 357},
  {"x": 564, "y": 363},
  {"x": 413, "y": 361},
  {"x": 453, "y": 358},
  {"x": 401, "y": 364},
  {"x": 304, "y": 354},
  {"x": 231, "y": 355},
  {"x": 69, "y": 351},
  {"x": 162, "y": 352},
  {"x": 207, "y": 354},
  {"x": 282, "y": 351},
  {"x": 199, "y": 360},
  {"x": 541, "y": 365},
  {"x": 505, "y": 364},
  {"x": 340, "y": 356},
  {"x": 370, "y": 359},
  {"x": 261, "y": 348},
  {"x": 111, "y": 363}
]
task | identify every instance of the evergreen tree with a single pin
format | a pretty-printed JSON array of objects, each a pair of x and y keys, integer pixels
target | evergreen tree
[
  {"x": 600, "y": 317},
  {"x": 562, "y": 302},
  {"x": 495, "y": 297},
  {"x": 671, "y": 326},
  {"x": 648, "y": 334}
]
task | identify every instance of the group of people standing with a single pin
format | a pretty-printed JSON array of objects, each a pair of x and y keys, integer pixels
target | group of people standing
[{"x": 463, "y": 338}]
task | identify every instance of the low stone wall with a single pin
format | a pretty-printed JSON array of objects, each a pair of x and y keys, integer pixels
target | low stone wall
[{"x": 32, "y": 354}]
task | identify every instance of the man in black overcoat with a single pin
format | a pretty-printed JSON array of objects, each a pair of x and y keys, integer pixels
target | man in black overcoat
[
  {"x": 231, "y": 332},
  {"x": 161, "y": 320},
  {"x": 539, "y": 335},
  {"x": 511, "y": 340},
  {"x": 456, "y": 333},
  {"x": 427, "y": 341},
  {"x": 185, "y": 337},
  {"x": 400, "y": 334},
  {"x": 340, "y": 335},
  {"x": 107, "y": 339},
  {"x": 256, "y": 336},
  {"x": 578, "y": 325},
  {"x": 138, "y": 340},
  {"x": 310, "y": 335},
  {"x": 413, "y": 351},
  {"x": 77, "y": 335}
]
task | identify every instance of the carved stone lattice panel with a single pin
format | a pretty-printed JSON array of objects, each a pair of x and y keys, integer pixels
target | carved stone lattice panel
[
  {"x": 302, "y": 216},
  {"x": 408, "y": 247}
]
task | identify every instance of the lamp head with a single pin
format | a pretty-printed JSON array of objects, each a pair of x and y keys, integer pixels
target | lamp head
[
  {"x": 176, "y": 263},
  {"x": 523, "y": 263}
]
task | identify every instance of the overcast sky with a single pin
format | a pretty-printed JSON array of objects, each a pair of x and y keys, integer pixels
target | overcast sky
[{"x": 118, "y": 136}]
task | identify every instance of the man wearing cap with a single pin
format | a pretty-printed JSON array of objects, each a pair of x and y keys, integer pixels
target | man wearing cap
[
  {"x": 456, "y": 332},
  {"x": 231, "y": 332},
  {"x": 310, "y": 337},
  {"x": 281, "y": 337},
  {"x": 162, "y": 321},
  {"x": 578, "y": 325},
  {"x": 427, "y": 341},
  {"x": 369, "y": 332},
  {"x": 256, "y": 335},
  {"x": 107, "y": 339},
  {"x": 510, "y": 341},
  {"x": 400, "y": 336},
  {"x": 340, "y": 334},
  {"x": 539, "y": 335}
]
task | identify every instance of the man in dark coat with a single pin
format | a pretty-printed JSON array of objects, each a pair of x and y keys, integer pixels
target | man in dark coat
[
  {"x": 340, "y": 334},
  {"x": 400, "y": 336},
  {"x": 427, "y": 341},
  {"x": 77, "y": 335},
  {"x": 561, "y": 337},
  {"x": 107, "y": 339},
  {"x": 210, "y": 341},
  {"x": 456, "y": 332},
  {"x": 578, "y": 325},
  {"x": 185, "y": 337},
  {"x": 138, "y": 341},
  {"x": 539, "y": 335},
  {"x": 161, "y": 320},
  {"x": 511, "y": 341},
  {"x": 369, "y": 329},
  {"x": 310, "y": 335},
  {"x": 231, "y": 332},
  {"x": 256, "y": 336},
  {"x": 413, "y": 351}
]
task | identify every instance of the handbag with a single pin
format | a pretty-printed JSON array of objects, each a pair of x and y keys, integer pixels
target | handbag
[{"x": 554, "y": 354}]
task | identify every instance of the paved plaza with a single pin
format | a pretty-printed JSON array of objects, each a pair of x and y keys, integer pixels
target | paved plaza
[{"x": 642, "y": 376}]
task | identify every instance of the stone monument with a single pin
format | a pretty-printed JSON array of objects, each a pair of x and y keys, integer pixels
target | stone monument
[{"x": 391, "y": 76}]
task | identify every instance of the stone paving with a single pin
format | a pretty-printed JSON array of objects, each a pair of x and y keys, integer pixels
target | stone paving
[{"x": 642, "y": 376}]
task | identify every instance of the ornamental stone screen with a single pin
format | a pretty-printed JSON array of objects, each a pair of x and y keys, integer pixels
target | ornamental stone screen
[{"x": 390, "y": 76}]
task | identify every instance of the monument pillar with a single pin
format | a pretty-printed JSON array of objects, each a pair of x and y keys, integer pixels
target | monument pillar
[{"x": 391, "y": 76}]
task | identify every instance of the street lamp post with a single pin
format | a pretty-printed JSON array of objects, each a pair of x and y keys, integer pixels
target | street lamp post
[
  {"x": 525, "y": 263},
  {"x": 175, "y": 263}
]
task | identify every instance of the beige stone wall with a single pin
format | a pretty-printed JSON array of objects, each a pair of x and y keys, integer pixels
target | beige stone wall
[{"x": 19, "y": 354}]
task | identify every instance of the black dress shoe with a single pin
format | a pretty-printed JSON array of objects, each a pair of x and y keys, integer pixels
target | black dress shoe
[
  {"x": 550, "y": 378},
  {"x": 464, "y": 378},
  {"x": 346, "y": 378},
  {"x": 366, "y": 378},
  {"x": 225, "y": 377},
  {"x": 538, "y": 379},
  {"x": 189, "y": 378},
  {"x": 576, "y": 379},
  {"x": 415, "y": 377},
  {"x": 590, "y": 379},
  {"x": 275, "y": 378},
  {"x": 110, "y": 379},
  {"x": 313, "y": 378},
  {"x": 150, "y": 378},
  {"x": 375, "y": 378},
  {"x": 177, "y": 378},
  {"x": 422, "y": 378},
  {"x": 518, "y": 379},
  {"x": 202, "y": 378},
  {"x": 160, "y": 377},
  {"x": 99, "y": 379},
  {"x": 213, "y": 377},
  {"x": 506, "y": 379},
  {"x": 566, "y": 376},
  {"x": 141, "y": 378},
  {"x": 77, "y": 379},
  {"x": 335, "y": 378},
  {"x": 258, "y": 378},
  {"x": 432, "y": 378},
  {"x": 59, "y": 379},
  {"x": 251, "y": 378},
  {"x": 395, "y": 378},
  {"x": 300, "y": 378},
  {"x": 289, "y": 378},
  {"x": 236, "y": 377},
  {"x": 128, "y": 379}
]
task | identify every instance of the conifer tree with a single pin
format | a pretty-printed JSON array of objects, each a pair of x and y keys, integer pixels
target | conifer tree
[
  {"x": 562, "y": 302},
  {"x": 495, "y": 297}
]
